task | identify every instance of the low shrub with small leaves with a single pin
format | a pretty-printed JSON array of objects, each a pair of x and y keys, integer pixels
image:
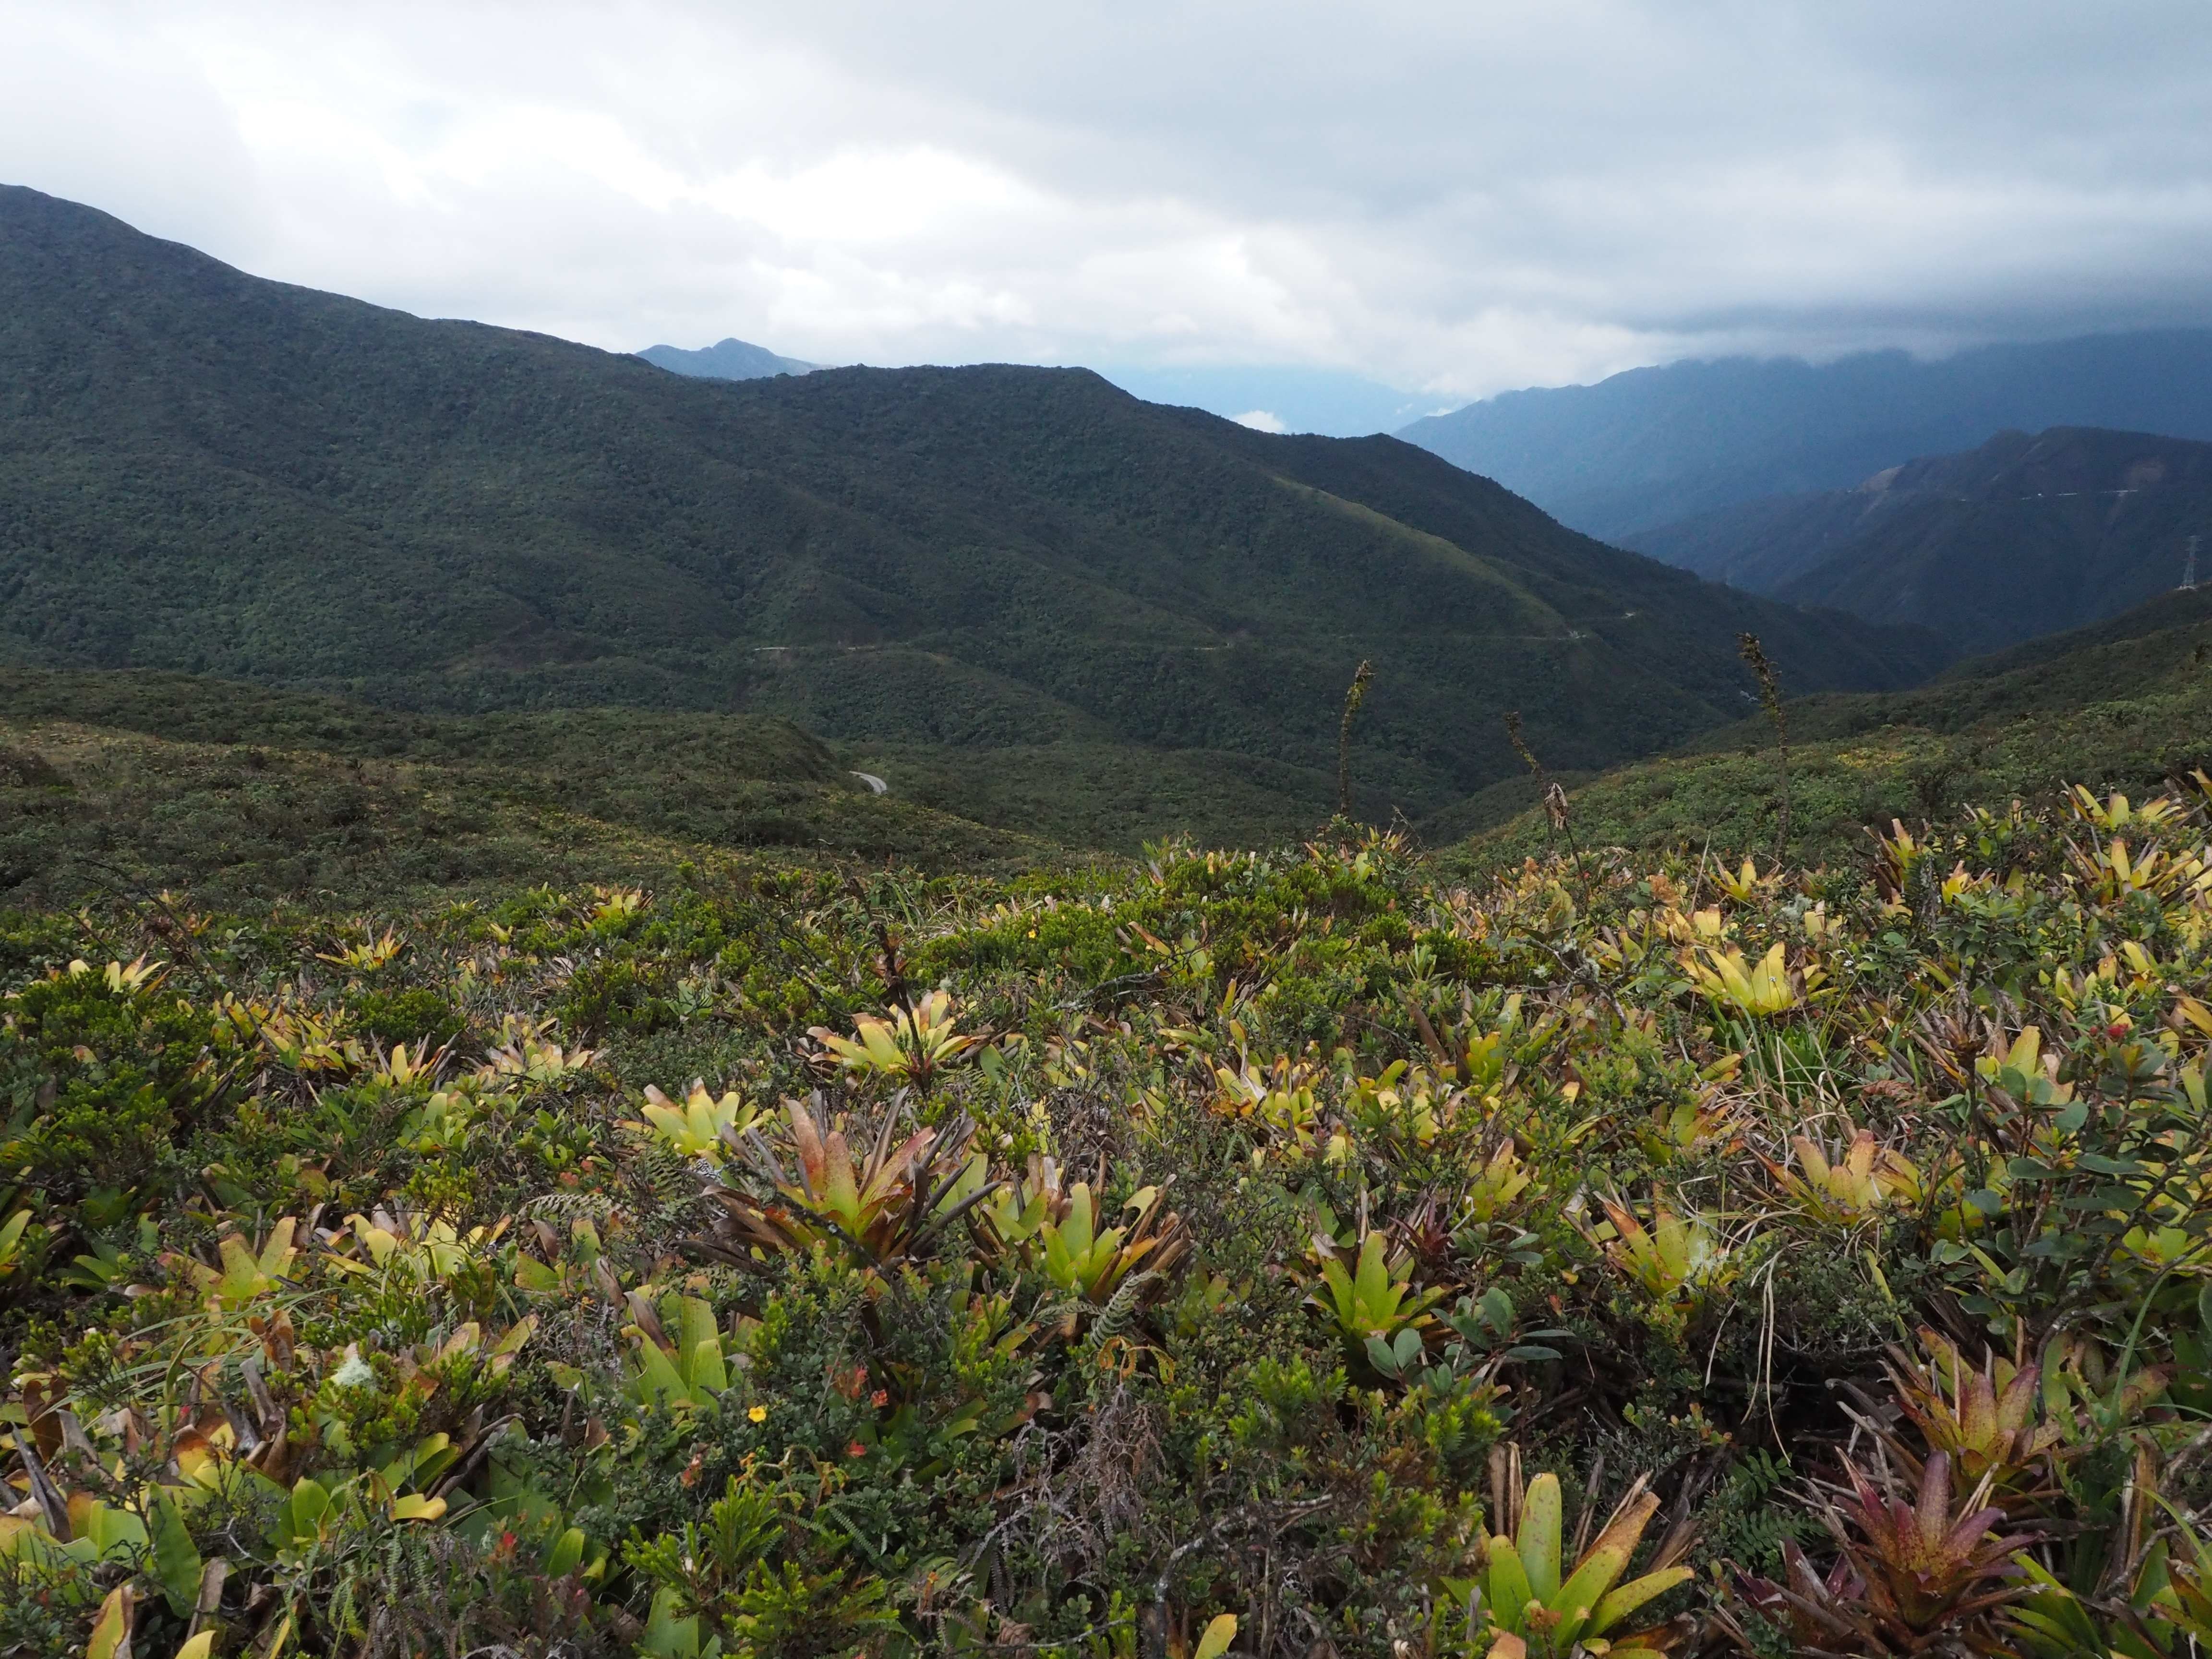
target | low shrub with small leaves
[{"x": 1288, "y": 1255}]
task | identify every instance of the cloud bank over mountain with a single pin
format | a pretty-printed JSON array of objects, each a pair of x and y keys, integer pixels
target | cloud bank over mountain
[{"x": 1445, "y": 200}]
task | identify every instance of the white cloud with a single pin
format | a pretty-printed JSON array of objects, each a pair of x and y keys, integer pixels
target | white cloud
[
  {"x": 1261, "y": 420},
  {"x": 1447, "y": 196}
]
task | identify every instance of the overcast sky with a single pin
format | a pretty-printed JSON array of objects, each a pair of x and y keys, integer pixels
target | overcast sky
[{"x": 1449, "y": 198}]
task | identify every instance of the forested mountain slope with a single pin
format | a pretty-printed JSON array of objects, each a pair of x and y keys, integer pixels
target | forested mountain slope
[
  {"x": 1655, "y": 446},
  {"x": 200, "y": 469},
  {"x": 2024, "y": 536}
]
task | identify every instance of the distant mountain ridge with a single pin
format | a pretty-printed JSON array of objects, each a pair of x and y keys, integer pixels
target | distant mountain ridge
[
  {"x": 1653, "y": 447},
  {"x": 2024, "y": 536},
  {"x": 206, "y": 471},
  {"x": 725, "y": 360}
]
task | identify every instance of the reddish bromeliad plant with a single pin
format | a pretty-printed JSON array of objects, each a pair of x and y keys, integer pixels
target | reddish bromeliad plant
[{"x": 1923, "y": 1575}]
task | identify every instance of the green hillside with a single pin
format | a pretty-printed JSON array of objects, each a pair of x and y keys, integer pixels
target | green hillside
[
  {"x": 2125, "y": 705},
  {"x": 203, "y": 472},
  {"x": 701, "y": 775},
  {"x": 2022, "y": 536},
  {"x": 129, "y": 783}
]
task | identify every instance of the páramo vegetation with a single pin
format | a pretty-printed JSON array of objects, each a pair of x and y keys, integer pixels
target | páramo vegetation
[{"x": 1293, "y": 1255}]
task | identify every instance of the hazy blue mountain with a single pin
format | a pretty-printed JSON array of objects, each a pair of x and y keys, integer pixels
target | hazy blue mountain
[
  {"x": 725, "y": 360},
  {"x": 1657, "y": 445},
  {"x": 2024, "y": 536}
]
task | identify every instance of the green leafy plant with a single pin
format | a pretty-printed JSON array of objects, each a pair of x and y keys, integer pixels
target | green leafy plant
[
  {"x": 682, "y": 1366},
  {"x": 703, "y": 1127},
  {"x": 1532, "y": 1600},
  {"x": 912, "y": 1046},
  {"x": 755, "y": 1579},
  {"x": 1078, "y": 1255},
  {"x": 1370, "y": 1302},
  {"x": 892, "y": 1205},
  {"x": 1679, "y": 1260}
]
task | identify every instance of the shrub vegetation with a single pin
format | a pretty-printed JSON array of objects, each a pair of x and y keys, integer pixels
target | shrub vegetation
[{"x": 1294, "y": 1253}]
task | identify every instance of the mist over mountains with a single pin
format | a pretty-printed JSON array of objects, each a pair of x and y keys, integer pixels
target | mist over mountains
[{"x": 1084, "y": 998}]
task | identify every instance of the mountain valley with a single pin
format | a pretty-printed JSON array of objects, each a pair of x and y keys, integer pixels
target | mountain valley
[
  {"x": 1386, "y": 1078},
  {"x": 2022, "y": 536},
  {"x": 204, "y": 471},
  {"x": 725, "y": 360},
  {"x": 1653, "y": 447}
]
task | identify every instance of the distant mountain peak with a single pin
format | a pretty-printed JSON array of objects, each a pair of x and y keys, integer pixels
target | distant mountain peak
[{"x": 725, "y": 360}]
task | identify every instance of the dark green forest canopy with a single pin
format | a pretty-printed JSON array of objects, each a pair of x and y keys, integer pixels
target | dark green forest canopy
[{"x": 200, "y": 469}]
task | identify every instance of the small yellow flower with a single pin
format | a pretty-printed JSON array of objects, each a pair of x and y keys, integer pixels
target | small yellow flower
[{"x": 758, "y": 1413}]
